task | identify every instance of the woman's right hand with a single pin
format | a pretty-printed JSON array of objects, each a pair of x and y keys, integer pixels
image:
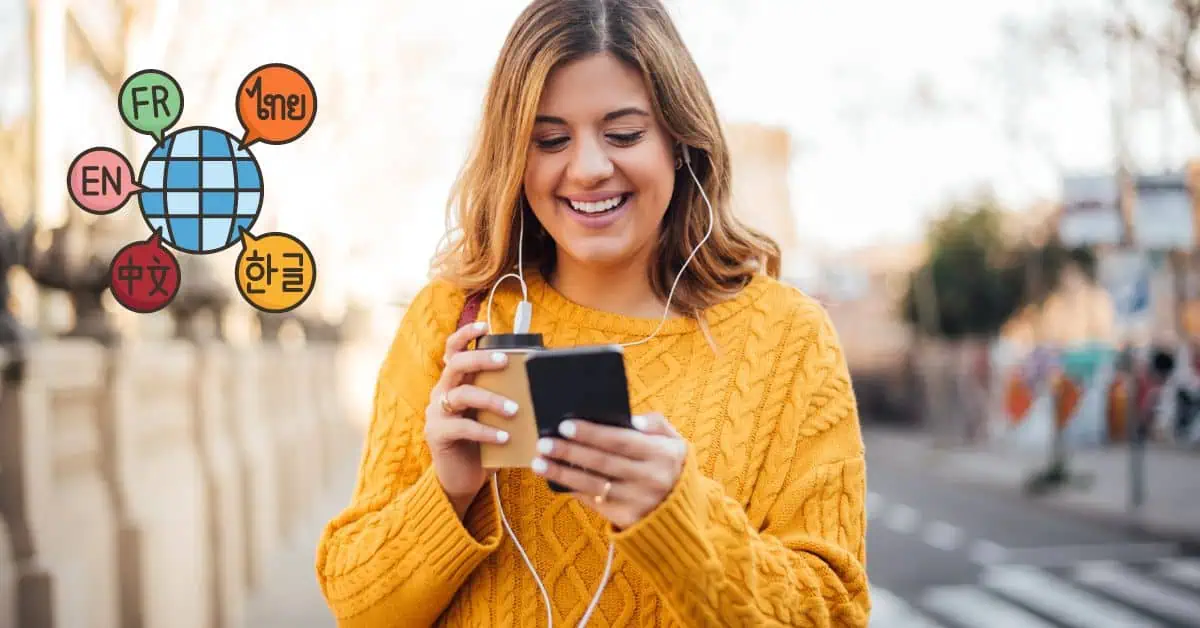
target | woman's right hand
[{"x": 452, "y": 438}]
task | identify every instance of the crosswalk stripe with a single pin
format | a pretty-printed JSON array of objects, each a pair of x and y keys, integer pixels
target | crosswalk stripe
[
  {"x": 1051, "y": 596},
  {"x": 1185, "y": 571},
  {"x": 902, "y": 519},
  {"x": 889, "y": 610},
  {"x": 874, "y": 505},
  {"x": 1128, "y": 585},
  {"x": 970, "y": 606}
]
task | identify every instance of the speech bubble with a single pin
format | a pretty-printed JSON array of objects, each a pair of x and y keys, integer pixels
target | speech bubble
[
  {"x": 150, "y": 103},
  {"x": 144, "y": 276},
  {"x": 100, "y": 180},
  {"x": 275, "y": 272},
  {"x": 276, "y": 104}
]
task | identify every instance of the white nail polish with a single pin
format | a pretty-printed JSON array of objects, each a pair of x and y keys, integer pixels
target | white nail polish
[
  {"x": 510, "y": 407},
  {"x": 538, "y": 465},
  {"x": 498, "y": 358},
  {"x": 481, "y": 325},
  {"x": 640, "y": 423},
  {"x": 567, "y": 428},
  {"x": 545, "y": 445},
  {"x": 501, "y": 437}
]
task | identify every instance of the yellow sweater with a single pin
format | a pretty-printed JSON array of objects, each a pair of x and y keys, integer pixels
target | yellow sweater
[{"x": 765, "y": 527}]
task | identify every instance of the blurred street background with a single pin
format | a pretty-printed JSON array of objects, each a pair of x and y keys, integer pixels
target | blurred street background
[{"x": 996, "y": 201}]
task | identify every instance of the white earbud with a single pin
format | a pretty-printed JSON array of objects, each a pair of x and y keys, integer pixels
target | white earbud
[{"x": 521, "y": 322}]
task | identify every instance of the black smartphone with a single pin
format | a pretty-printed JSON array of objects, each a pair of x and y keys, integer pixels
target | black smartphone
[{"x": 586, "y": 382}]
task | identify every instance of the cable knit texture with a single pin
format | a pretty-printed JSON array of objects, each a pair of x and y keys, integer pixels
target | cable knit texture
[{"x": 765, "y": 527}]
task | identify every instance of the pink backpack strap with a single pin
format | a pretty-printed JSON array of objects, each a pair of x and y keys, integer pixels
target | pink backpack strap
[{"x": 470, "y": 309}]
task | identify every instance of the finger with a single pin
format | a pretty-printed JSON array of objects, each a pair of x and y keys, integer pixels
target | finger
[
  {"x": 458, "y": 340},
  {"x": 654, "y": 423},
  {"x": 468, "y": 396},
  {"x": 464, "y": 363},
  {"x": 595, "y": 460},
  {"x": 577, "y": 480},
  {"x": 456, "y": 429},
  {"x": 617, "y": 440}
]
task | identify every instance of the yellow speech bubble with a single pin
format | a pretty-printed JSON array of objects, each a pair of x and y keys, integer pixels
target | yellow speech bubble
[{"x": 275, "y": 272}]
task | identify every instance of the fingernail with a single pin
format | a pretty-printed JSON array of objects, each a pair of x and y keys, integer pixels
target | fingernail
[
  {"x": 640, "y": 423},
  {"x": 502, "y": 437},
  {"x": 510, "y": 407},
  {"x": 538, "y": 465},
  {"x": 545, "y": 445},
  {"x": 481, "y": 325},
  {"x": 567, "y": 428},
  {"x": 498, "y": 358}
]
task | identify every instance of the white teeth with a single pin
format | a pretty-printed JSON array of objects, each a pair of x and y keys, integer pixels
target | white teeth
[{"x": 592, "y": 208}]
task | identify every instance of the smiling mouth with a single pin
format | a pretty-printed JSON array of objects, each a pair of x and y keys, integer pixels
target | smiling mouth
[{"x": 601, "y": 208}]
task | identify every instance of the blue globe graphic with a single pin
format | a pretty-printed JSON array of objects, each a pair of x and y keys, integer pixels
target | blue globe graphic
[{"x": 199, "y": 188}]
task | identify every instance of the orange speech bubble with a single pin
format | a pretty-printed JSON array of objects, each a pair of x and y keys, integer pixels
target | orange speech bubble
[{"x": 276, "y": 104}]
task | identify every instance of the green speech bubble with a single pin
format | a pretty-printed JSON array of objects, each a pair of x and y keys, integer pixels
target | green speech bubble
[{"x": 151, "y": 102}]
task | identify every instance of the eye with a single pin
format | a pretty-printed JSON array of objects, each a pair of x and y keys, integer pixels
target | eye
[
  {"x": 626, "y": 138},
  {"x": 551, "y": 143}
]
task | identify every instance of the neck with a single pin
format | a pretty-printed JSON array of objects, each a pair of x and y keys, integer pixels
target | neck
[{"x": 622, "y": 289}]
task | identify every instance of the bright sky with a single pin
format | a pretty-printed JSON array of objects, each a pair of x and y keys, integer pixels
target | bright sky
[{"x": 400, "y": 83}]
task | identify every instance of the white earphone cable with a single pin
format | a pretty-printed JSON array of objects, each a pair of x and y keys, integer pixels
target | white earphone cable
[
  {"x": 711, "y": 219},
  {"x": 520, "y": 276}
]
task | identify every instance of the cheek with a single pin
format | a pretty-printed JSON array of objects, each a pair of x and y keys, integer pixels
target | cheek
[
  {"x": 538, "y": 179},
  {"x": 539, "y": 183},
  {"x": 654, "y": 180}
]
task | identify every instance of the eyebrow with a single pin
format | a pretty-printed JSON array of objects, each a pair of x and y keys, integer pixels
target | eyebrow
[{"x": 612, "y": 115}]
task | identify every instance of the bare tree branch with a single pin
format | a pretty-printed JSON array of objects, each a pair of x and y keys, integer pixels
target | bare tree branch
[{"x": 108, "y": 69}]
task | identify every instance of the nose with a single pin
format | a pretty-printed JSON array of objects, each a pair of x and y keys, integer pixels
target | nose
[{"x": 589, "y": 164}]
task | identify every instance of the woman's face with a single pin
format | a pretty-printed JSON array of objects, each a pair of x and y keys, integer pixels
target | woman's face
[{"x": 601, "y": 167}]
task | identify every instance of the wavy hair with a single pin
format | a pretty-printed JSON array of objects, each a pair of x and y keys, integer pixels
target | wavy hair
[{"x": 487, "y": 199}]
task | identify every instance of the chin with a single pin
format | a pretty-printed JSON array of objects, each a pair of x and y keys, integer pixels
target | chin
[{"x": 599, "y": 253}]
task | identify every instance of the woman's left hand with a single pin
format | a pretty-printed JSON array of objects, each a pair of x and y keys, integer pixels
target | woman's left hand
[{"x": 622, "y": 474}]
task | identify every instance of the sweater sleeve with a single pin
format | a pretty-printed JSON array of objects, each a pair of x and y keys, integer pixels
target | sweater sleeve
[
  {"x": 803, "y": 564},
  {"x": 398, "y": 553}
]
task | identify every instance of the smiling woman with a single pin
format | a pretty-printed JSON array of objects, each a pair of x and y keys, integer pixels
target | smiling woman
[{"x": 600, "y": 181}]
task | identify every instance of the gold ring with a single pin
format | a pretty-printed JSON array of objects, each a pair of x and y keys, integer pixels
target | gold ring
[
  {"x": 603, "y": 496},
  {"x": 446, "y": 407}
]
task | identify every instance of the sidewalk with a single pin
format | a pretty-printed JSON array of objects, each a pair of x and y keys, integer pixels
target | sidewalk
[
  {"x": 1171, "y": 507},
  {"x": 292, "y": 598}
]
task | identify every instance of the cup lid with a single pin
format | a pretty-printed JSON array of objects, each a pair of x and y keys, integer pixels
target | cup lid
[{"x": 510, "y": 341}]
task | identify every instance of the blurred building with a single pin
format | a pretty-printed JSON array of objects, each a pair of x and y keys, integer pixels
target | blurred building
[
  {"x": 861, "y": 289},
  {"x": 761, "y": 158}
]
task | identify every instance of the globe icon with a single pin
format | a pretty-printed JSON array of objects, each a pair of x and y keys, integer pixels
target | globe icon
[{"x": 200, "y": 188}]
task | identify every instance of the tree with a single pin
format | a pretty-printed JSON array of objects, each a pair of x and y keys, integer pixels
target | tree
[
  {"x": 1165, "y": 36},
  {"x": 976, "y": 277},
  {"x": 1170, "y": 38},
  {"x": 962, "y": 290}
]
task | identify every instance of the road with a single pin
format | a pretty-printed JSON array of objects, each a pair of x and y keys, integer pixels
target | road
[{"x": 945, "y": 554}]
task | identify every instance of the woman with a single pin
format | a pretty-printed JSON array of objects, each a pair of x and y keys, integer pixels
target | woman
[{"x": 738, "y": 501}]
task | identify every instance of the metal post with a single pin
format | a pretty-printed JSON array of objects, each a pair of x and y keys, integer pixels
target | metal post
[
  {"x": 930, "y": 324},
  {"x": 1128, "y": 182},
  {"x": 1137, "y": 454}
]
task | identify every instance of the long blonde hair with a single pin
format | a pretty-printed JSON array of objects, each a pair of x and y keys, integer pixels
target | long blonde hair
[{"x": 488, "y": 195}]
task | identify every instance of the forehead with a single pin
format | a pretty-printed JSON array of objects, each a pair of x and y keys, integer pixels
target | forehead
[{"x": 591, "y": 87}]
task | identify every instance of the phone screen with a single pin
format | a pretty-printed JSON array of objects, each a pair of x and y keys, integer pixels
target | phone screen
[
  {"x": 587, "y": 383},
  {"x": 584, "y": 382}
]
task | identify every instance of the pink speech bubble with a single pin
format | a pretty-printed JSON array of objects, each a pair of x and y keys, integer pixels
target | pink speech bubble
[{"x": 100, "y": 180}]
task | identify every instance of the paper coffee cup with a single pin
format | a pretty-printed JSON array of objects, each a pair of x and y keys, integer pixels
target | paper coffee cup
[{"x": 512, "y": 383}]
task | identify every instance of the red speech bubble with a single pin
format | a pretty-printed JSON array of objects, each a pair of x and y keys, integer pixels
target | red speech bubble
[
  {"x": 144, "y": 276},
  {"x": 100, "y": 180}
]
